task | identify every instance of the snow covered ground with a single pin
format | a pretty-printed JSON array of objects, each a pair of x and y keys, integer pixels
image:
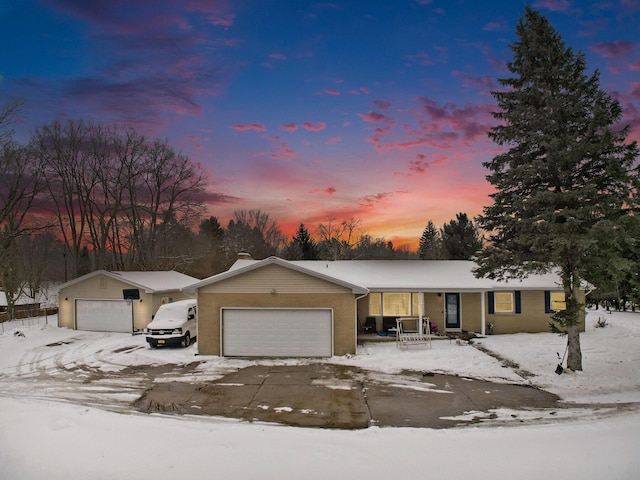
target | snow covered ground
[{"x": 63, "y": 417}]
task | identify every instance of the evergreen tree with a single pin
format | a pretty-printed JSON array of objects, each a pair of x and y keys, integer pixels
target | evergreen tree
[
  {"x": 430, "y": 247},
  {"x": 460, "y": 238},
  {"x": 302, "y": 246},
  {"x": 564, "y": 183}
]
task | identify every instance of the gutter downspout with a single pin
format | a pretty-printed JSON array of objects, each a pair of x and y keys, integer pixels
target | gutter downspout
[
  {"x": 482, "y": 314},
  {"x": 356, "y": 317}
]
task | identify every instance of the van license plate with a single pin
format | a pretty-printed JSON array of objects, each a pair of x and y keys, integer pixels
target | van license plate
[{"x": 160, "y": 341}]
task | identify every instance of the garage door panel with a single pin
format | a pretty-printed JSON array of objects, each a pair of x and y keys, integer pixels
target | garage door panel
[
  {"x": 104, "y": 315},
  {"x": 277, "y": 332}
]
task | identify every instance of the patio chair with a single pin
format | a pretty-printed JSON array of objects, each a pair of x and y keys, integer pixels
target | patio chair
[{"x": 369, "y": 325}]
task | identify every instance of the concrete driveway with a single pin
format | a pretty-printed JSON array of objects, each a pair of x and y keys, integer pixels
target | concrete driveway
[{"x": 336, "y": 396}]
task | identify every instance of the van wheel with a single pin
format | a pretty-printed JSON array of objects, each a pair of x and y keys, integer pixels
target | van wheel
[{"x": 187, "y": 340}]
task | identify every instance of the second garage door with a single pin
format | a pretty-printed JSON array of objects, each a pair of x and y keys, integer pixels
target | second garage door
[
  {"x": 277, "y": 332},
  {"x": 104, "y": 315}
]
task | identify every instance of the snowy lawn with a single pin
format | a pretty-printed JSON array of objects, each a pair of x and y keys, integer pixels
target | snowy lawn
[{"x": 48, "y": 431}]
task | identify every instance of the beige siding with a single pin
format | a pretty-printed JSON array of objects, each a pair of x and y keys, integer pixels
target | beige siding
[
  {"x": 103, "y": 287},
  {"x": 276, "y": 287},
  {"x": 533, "y": 318},
  {"x": 273, "y": 277},
  {"x": 434, "y": 309},
  {"x": 210, "y": 305}
]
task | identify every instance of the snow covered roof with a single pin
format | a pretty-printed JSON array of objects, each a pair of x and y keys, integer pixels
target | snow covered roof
[
  {"x": 412, "y": 275},
  {"x": 249, "y": 265},
  {"x": 150, "y": 282}
]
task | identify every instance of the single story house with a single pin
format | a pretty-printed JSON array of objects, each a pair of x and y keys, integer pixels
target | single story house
[
  {"x": 275, "y": 307},
  {"x": 107, "y": 301}
]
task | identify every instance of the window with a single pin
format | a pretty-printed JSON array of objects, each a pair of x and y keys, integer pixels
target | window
[
  {"x": 558, "y": 301},
  {"x": 375, "y": 304},
  {"x": 399, "y": 304},
  {"x": 396, "y": 304},
  {"x": 503, "y": 302}
]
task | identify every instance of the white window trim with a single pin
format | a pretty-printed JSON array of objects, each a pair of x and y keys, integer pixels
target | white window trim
[{"x": 495, "y": 302}]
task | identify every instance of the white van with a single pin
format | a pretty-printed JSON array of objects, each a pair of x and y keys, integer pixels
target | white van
[{"x": 174, "y": 323}]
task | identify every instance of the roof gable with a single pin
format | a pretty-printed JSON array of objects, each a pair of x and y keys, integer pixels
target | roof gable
[
  {"x": 150, "y": 282},
  {"x": 259, "y": 264}
]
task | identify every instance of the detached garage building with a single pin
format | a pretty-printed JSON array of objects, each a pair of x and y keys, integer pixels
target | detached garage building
[
  {"x": 274, "y": 308},
  {"x": 105, "y": 301}
]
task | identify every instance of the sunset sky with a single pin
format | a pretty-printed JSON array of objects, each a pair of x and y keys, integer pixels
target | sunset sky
[{"x": 374, "y": 110}]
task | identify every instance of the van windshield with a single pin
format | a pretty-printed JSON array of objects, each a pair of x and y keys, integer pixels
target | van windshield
[{"x": 172, "y": 312}]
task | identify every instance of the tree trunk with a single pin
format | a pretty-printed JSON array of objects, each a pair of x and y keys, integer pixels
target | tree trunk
[
  {"x": 572, "y": 317},
  {"x": 574, "y": 355}
]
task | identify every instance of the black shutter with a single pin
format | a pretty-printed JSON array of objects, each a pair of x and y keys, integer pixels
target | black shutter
[
  {"x": 518, "y": 299},
  {"x": 491, "y": 301},
  {"x": 547, "y": 301}
]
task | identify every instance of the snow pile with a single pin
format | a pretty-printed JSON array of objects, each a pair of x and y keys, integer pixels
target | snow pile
[{"x": 45, "y": 434}]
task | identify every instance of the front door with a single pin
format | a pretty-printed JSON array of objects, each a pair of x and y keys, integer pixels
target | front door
[{"x": 452, "y": 310}]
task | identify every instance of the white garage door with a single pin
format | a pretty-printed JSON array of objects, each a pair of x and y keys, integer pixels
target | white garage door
[
  {"x": 104, "y": 315},
  {"x": 277, "y": 333}
]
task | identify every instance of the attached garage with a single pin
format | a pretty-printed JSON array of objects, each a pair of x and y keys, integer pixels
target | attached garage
[
  {"x": 104, "y": 315},
  {"x": 274, "y": 308},
  {"x": 277, "y": 332}
]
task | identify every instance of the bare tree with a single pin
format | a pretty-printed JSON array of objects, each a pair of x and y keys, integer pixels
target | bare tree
[
  {"x": 253, "y": 231},
  {"x": 70, "y": 178},
  {"x": 166, "y": 185},
  {"x": 114, "y": 193},
  {"x": 337, "y": 240},
  {"x": 20, "y": 188}
]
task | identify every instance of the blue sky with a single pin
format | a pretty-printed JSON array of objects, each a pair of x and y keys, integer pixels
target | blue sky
[{"x": 374, "y": 110}]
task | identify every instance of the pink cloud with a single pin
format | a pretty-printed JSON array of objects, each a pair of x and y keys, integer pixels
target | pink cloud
[
  {"x": 283, "y": 152},
  {"x": 332, "y": 91},
  {"x": 472, "y": 80},
  {"x": 215, "y": 12},
  {"x": 364, "y": 90},
  {"x": 372, "y": 200},
  {"x": 553, "y": 5},
  {"x": 277, "y": 56},
  {"x": 382, "y": 105},
  {"x": 314, "y": 127},
  {"x": 375, "y": 117},
  {"x": 258, "y": 127},
  {"x": 421, "y": 163},
  {"x": 442, "y": 127},
  {"x": 617, "y": 49},
  {"x": 329, "y": 190},
  {"x": 173, "y": 74},
  {"x": 493, "y": 26},
  {"x": 289, "y": 127},
  {"x": 333, "y": 140}
]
